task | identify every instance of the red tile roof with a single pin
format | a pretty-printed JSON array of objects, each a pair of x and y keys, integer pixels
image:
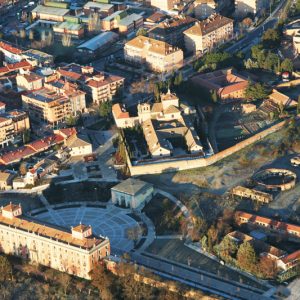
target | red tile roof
[
  {"x": 295, "y": 256},
  {"x": 10, "y": 48},
  {"x": 16, "y": 66},
  {"x": 275, "y": 224},
  {"x": 118, "y": 113}
]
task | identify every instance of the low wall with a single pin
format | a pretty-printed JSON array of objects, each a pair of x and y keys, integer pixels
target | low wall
[{"x": 192, "y": 163}]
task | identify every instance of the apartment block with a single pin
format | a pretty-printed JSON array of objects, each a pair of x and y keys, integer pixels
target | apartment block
[
  {"x": 171, "y": 30},
  {"x": 74, "y": 252},
  {"x": 204, "y": 8},
  {"x": 204, "y": 36},
  {"x": 255, "y": 7},
  {"x": 156, "y": 55},
  {"x": 12, "y": 124},
  {"x": 164, "y": 4},
  {"x": 46, "y": 105},
  {"x": 99, "y": 85}
]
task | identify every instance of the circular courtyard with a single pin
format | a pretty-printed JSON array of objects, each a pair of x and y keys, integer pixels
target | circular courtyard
[{"x": 110, "y": 221}]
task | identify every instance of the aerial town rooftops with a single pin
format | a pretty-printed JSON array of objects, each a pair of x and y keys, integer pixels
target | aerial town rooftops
[
  {"x": 209, "y": 25},
  {"x": 280, "y": 226},
  {"x": 41, "y": 9},
  {"x": 16, "y": 66},
  {"x": 54, "y": 233},
  {"x": 47, "y": 96},
  {"x": 282, "y": 99},
  {"x": 99, "y": 41},
  {"x": 9, "y": 48},
  {"x": 119, "y": 112},
  {"x": 152, "y": 45}
]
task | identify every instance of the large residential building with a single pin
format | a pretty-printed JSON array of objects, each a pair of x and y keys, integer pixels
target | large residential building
[
  {"x": 48, "y": 13},
  {"x": 156, "y": 55},
  {"x": 29, "y": 81},
  {"x": 244, "y": 7},
  {"x": 204, "y": 36},
  {"x": 99, "y": 85},
  {"x": 204, "y": 8},
  {"x": 123, "y": 22},
  {"x": 74, "y": 252},
  {"x": 164, "y": 5},
  {"x": 12, "y": 124},
  {"x": 46, "y": 105},
  {"x": 227, "y": 83},
  {"x": 11, "y": 53},
  {"x": 171, "y": 30}
]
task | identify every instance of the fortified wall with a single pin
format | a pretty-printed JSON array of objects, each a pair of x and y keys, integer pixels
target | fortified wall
[{"x": 169, "y": 165}]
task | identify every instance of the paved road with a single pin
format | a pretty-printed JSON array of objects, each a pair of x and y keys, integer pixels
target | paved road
[
  {"x": 199, "y": 279},
  {"x": 257, "y": 32}
]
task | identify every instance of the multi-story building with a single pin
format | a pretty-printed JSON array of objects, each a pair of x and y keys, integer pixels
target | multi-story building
[
  {"x": 157, "y": 55},
  {"x": 207, "y": 34},
  {"x": 12, "y": 124},
  {"x": 6, "y": 131},
  {"x": 70, "y": 90},
  {"x": 164, "y": 4},
  {"x": 255, "y": 7},
  {"x": 204, "y": 8},
  {"x": 29, "y": 81},
  {"x": 11, "y": 53},
  {"x": 99, "y": 85},
  {"x": 46, "y": 105},
  {"x": 162, "y": 124},
  {"x": 271, "y": 226},
  {"x": 122, "y": 21},
  {"x": 73, "y": 252},
  {"x": 171, "y": 30},
  {"x": 227, "y": 83}
]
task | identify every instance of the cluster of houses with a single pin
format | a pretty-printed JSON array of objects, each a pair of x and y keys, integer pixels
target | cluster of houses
[
  {"x": 162, "y": 123},
  {"x": 282, "y": 230}
]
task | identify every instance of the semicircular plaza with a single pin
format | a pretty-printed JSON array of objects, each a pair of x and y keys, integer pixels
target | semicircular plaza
[{"x": 110, "y": 221}]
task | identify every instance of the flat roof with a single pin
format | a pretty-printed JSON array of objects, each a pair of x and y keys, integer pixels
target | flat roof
[
  {"x": 68, "y": 26},
  {"x": 101, "y": 6},
  {"x": 130, "y": 19},
  {"x": 40, "y": 9},
  {"x": 99, "y": 40}
]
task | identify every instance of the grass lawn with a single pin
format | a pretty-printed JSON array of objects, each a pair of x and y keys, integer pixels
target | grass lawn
[
  {"x": 164, "y": 214},
  {"x": 79, "y": 191}
]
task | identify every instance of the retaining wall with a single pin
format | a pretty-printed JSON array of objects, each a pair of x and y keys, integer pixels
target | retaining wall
[{"x": 192, "y": 163}]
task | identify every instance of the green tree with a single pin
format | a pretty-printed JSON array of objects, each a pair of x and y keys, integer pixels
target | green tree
[
  {"x": 214, "y": 96},
  {"x": 298, "y": 105},
  {"x": 271, "y": 38},
  {"x": 71, "y": 120},
  {"x": 246, "y": 257},
  {"x": 256, "y": 91},
  {"x": 141, "y": 31},
  {"x": 256, "y": 50},
  {"x": 287, "y": 65},
  {"x": 5, "y": 269},
  {"x": 105, "y": 109},
  {"x": 156, "y": 92},
  {"x": 227, "y": 248}
]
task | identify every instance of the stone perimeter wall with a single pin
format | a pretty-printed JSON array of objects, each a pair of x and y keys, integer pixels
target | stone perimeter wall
[{"x": 187, "y": 164}]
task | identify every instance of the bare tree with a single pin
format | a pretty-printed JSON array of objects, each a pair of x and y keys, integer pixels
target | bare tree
[
  {"x": 94, "y": 24},
  {"x": 66, "y": 40}
]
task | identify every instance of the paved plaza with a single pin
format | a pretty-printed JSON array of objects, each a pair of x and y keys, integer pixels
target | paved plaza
[{"x": 111, "y": 221}]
